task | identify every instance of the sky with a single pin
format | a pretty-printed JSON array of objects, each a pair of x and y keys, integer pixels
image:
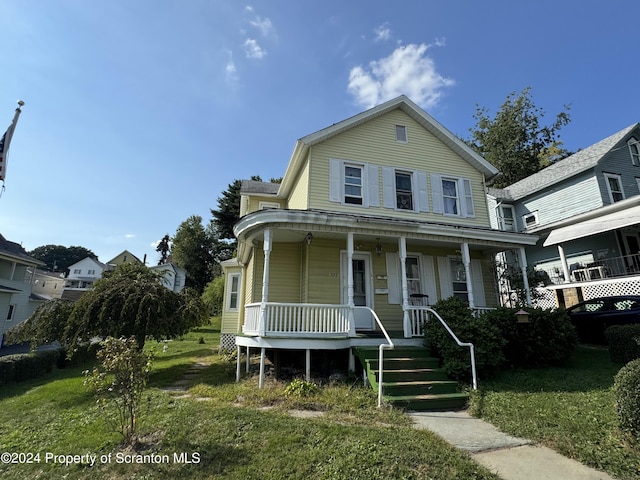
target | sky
[{"x": 140, "y": 113}]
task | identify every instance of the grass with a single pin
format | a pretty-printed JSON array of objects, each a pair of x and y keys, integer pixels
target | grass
[
  {"x": 223, "y": 430},
  {"x": 569, "y": 409}
]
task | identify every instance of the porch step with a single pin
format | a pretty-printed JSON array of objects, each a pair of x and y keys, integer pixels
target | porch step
[{"x": 411, "y": 379}]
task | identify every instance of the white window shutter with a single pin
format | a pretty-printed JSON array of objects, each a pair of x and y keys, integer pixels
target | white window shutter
[
  {"x": 393, "y": 279},
  {"x": 446, "y": 286},
  {"x": 335, "y": 180},
  {"x": 388, "y": 187},
  {"x": 373, "y": 186},
  {"x": 466, "y": 198},
  {"x": 430, "y": 279},
  {"x": 477, "y": 282},
  {"x": 422, "y": 198},
  {"x": 436, "y": 193}
]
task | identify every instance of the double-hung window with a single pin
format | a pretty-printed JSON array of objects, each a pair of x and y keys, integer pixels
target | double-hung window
[
  {"x": 353, "y": 184},
  {"x": 404, "y": 191},
  {"x": 634, "y": 150},
  {"x": 233, "y": 291},
  {"x": 452, "y": 196},
  {"x": 412, "y": 265},
  {"x": 614, "y": 186},
  {"x": 459, "y": 278},
  {"x": 506, "y": 218}
]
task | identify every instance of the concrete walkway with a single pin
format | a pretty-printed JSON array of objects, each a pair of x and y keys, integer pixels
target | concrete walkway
[{"x": 509, "y": 457}]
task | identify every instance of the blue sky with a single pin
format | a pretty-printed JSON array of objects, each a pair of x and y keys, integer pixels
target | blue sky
[{"x": 139, "y": 113}]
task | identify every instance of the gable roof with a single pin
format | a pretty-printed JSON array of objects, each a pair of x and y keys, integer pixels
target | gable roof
[
  {"x": 124, "y": 252},
  {"x": 255, "y": 187},
  {"x": 563, "y": 169},
  {"x": 16, "y": 251},
  {"x": 407, "y": 106},
  {"x": 92, "y": 259}
]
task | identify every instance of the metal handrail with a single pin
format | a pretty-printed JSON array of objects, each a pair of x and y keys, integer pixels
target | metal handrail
[
  {"x": 381, "y": 348},
  {"x": 461, "y": 344}
]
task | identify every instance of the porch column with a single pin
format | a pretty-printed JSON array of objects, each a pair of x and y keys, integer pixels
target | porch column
[
  {"x": 466, "y": 260},
  {"x": 525, "y": 279},
  {"x": 402, "y": 253},
  {"x": 239, "y": 360},
  {"x": 307, "y": 370},
  {"x": 350, "y": 302},
  {"x": 565, "y": 265},
  {"x": 248, "y": 360},
  {"x": 261, "y": 380},
  {"x": 265, "y": 283}
]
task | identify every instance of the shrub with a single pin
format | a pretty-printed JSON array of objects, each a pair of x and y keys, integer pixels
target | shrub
[
  {"x": 627, "y": 393},
  {"x": 300, "y": 388},
  {"x": 485, "y": 336},
  {"x": 24, "y": 366},
  {"x": 624, "y": 342},
  {"x": 548, "y": 338}
]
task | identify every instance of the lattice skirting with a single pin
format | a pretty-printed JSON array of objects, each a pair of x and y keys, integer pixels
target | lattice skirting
[
  {"x": 547, "y": 298},
  {"x": 227, "y": 342},
  {"x": 630, "y": 287}
]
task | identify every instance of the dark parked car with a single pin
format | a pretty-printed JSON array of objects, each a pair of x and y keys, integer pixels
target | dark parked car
[{"x": 592, "y": 317}]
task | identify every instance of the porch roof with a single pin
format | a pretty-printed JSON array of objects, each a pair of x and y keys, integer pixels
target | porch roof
[{"x": 293, "y": 226}]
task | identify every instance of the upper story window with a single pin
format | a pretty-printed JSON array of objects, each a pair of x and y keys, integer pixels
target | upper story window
[
  {"x": 614, "y": 186},
  {"x": 11, "y": 312},
  {"x": 77, "y": 271},
  {"x": 452, "y": 196},
  {"x": 404, "y": 191},
  {"x": 353, "y": 183},
  {"x": 401, "y": 134},
  {"x": 506, "y": 218},
  {"x": 634, "y": 150},
  {"x": 268, "y": 205},
  {"x": 91, "y": 272}
]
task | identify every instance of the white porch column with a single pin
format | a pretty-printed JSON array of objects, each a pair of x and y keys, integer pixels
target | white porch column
[
  {"x": 565, "y": 265},
  {"x": 248, "y": 360},
  {"x": 307, "y": 372},
  {"x": 265, "y": 283},
  {"x": 402, "y": 253},
  {"x": 239, "y": 362},
  {"x": 350, "y": 288},
  {"x": 261, "y": 380},
  {"x": 525, "y": 280},
  {"x": 466, "y": 260}
]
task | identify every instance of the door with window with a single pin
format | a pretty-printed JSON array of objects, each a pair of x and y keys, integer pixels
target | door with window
[{"x": 362, "y": 288}]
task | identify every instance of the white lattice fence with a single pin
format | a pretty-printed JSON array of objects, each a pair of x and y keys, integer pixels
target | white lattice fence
[
  {"x": 607, "y": 289},
  {"x": 227, "y": 342},
  {"x": 545, "y": 298}
]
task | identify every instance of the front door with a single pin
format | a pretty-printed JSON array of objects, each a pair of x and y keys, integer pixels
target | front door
[{"x": 362, "y": 288}]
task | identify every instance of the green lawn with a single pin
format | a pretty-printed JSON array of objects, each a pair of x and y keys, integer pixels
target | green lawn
[
  {"x": 223, "y": 430},
  {"x": 569, "y": 409}
]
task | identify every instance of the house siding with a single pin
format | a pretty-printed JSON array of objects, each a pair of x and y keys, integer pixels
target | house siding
[
  {"x": 374, "y": 143},
  {"x": 577, "y": 195},
  {"x": 618, "y": 162},
  {"x": 299, "y": 197}
]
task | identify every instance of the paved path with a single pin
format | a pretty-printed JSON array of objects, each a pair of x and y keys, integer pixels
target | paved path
[{"x": 509, "y": 457}]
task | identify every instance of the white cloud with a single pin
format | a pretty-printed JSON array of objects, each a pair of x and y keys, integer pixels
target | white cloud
[
  {"x": 383, "y": 32},
  {"x": 408, "y": 70},
  {"x": 264, "y": 25},
  {"x": 129, "y": 235},
  {"x": 253, "y": 50},
  {"x": 230, "y": 69}
]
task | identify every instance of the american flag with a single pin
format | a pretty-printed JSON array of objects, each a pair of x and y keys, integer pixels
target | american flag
[{"x": 5, "y": 141}]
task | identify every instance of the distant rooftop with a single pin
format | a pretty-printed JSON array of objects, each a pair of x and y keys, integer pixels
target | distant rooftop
[{"x": 260, "y": 188}]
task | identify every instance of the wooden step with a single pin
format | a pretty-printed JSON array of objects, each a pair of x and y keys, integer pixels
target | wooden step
[
  {"x": 451, "y": 401},
  {"x": 419, "y": 387}
]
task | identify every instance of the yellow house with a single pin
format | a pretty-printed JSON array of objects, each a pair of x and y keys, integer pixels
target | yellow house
[{"x": 377, "y": 217}]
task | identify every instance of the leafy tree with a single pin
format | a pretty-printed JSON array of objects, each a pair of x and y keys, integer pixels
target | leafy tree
[
  {"x": 193, "y": 251},
  {"x": 514, "y": 141},
  {"x": 164, "y": 249},
  {"x": 213, "y": 295},
  {"x": 119, "y": 381},
  {"x": 58, "y": 258},
  {"x": 45, "y": 325},
  {"x": 129, "y": 301}
]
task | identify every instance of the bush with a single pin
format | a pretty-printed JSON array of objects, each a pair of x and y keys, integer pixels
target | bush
[
  {"x": 627, "y": 393},
  {"x": 486, "y": 337},
  {"x": 16, "y": 368},
  {"x": 299, "y": 388},
  {"x": 548, "y": 338},
  {"x": 624, "y": 342}
]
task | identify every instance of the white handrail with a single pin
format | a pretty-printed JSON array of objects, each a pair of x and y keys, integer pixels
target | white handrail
[
  {"x": 389, "y": 346},
  {"x": 461, "y": 344}
]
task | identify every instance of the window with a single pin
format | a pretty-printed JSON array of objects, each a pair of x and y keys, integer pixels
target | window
[
  {"x": 268, "y": 205},
  {"x": 401, "y": 133},
  {"x": 452, "y": 196},
  {"x": 233, "y": 287},
  {"x": 11, "y": 312},
  {"x": 634, "y": 150},
  {"x": 404, "y": 195},
  {"x": 530, "y": 219},
  {"x": 77, "y": 271},
  {"x": 506, "y": 218},
  {"x": 91, "y": 272},
  {"x": 412, "y": 265},
  {"x": 459, "y": 278},
  {"x": 614, "y": 186},
  {"x": 353, "y": 184}
]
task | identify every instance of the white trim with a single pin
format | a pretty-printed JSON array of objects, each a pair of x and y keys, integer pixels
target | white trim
[
  {"x": 534, "y": 215},
  {"x": 405, "y": 134},
  {"x": 369, "y": 183},
  {"x": 344, "y": 274},
  {"x": 265, "y": 205},
  {"x": 618, "y": 178},
  {"x": 634, "y": 151},
  {"x": 229, "y": 292}
]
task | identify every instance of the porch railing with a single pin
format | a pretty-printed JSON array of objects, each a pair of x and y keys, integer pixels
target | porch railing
[
  {"x": 283, "y": 319},
  {"x": 419, "y": 316}
]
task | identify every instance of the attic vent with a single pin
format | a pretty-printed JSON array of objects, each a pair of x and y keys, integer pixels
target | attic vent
[{"x": 401, "y": 133}]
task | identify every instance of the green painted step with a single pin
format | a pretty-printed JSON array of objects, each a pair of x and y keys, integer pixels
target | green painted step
[
  {"x": 419, "y": 387},
  {"x": 450, "y": 401}
]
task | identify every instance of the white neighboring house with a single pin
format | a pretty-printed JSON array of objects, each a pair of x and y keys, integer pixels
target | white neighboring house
[
  {"x": 82, "y": 276},
  {"x": 17, "y": 301},
  {"x": 48, "y": 285},
  {"x": 173, "y": 277}
]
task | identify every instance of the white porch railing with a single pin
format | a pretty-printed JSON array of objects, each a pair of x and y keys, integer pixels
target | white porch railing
[
  {"x": 309, "y": 319},
  {"x": 419, "y": 316}
]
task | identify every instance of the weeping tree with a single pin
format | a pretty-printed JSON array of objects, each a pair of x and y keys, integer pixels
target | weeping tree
[{"x": 129, "y": 301}]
